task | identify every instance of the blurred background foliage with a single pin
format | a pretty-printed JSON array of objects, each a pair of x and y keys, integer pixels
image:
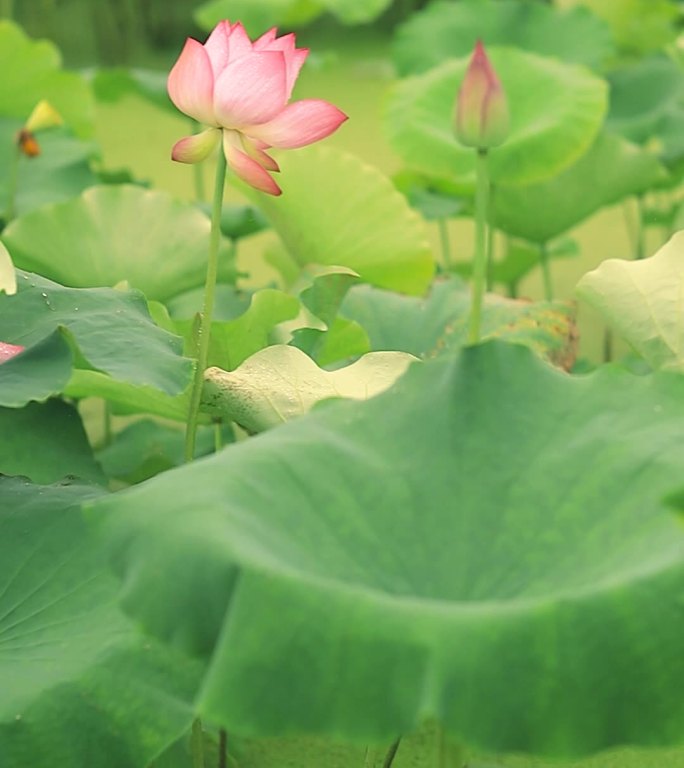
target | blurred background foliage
[
  {"x": 368, "y": 57},
  {"x": 122, "y": 32}
]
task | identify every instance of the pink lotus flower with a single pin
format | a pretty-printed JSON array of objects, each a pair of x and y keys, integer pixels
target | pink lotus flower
[
  {"x": 481, "y": 108},
  {"x": 241, "y": 88},
  {"x": 8, "y": 351}
]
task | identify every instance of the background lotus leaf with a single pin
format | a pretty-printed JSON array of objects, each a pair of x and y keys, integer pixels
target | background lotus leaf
[
  {"x": 258, "y": 15},
  {"x": 612, "y": 170},
  {"x": 356, "y": 220},
  {"x": 444, "y": 30},
  {"x": 638, "y": 26},
  {"x": 425, "y": 327},
  {"x": 36, "y": 75},
  {"x": 114, "y": 233}
]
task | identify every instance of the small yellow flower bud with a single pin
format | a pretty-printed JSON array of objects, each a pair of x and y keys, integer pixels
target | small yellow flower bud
[{"x": 44, "y": 115}]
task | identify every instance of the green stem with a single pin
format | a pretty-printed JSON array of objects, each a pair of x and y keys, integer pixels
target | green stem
[
  {"x": 490, "y": 241},
  {"x": 391, "y": 753},
  {"x": 443, "y": 225},
  {"x": 107, "y": 430},
  {"x": 446, "y": 753},
  {"x": 640, "y": 244},
  {"x": 223, "y": 749},
  {"x": 546, "y": 271},
  {"x": 207, "y": 310},
  {"x": 12, "y": 184},
  {"x": 369, "y": 757},
  {"x": 198, "y": 170},
  {"x": 197, "y": 744},
  {"x": 607, "y": 345},
  {"x": 480, "y": 259}
]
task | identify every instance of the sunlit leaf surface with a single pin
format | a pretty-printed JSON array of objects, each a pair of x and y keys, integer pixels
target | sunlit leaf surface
[
  {"x": 642, "y": 300},
  {"x": 337, "y": 210}
]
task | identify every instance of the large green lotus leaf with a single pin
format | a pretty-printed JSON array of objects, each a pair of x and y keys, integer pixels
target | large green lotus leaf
[
  {"x": 337, "y": 210},
  {"x": 81, "y": 686},
  {"x": 556, "y": 112},
  {"x": 36, "y": 75},
  {"x": 46, "y": 442},
  {"x": 111, "y": 329},
  {"x": 114, "y": 233},
  {"x": 446, "y": 30},
  {"x": 638, "y": 26},
  {"x": 41, "y": 370},
  {"x": 258, "y": 15},
  {"x": 522, "y": 257},
  {"x": 482, "y": 545},
  {"x": 641, "y": 300},
  {"x": 418, "y": 751},
  {"x": 428, "y": 326},
  {"x": 612, "y": 170},
  {"x": 280, "y": 383}
]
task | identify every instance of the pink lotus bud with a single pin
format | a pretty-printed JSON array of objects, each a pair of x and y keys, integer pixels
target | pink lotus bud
[
  {"x": 481, "y": 108},
  {"x": 241, "y": 90},
  {"x": 8, "y": 351}
]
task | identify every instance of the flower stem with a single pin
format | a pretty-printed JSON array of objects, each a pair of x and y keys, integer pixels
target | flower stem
[
  {"x": 12, "y": 183},
  {"x": 546, "y": 271},
  {"x": 446, "y": 753},
  {"x": 223, "y": 749},
  {"x": 640, "y": 244},
  {"x": 198, "y": 170},
  {"x": 480, "y": 260},
  {"x": 444, "y": 242},
  {"x": 197, "y": 744},
  {"x": 391, "y": 753},
  {"x": 207, "y": 310}
]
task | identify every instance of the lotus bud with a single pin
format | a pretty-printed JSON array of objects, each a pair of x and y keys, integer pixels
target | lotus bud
[{"x": 481, "y": 108}]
